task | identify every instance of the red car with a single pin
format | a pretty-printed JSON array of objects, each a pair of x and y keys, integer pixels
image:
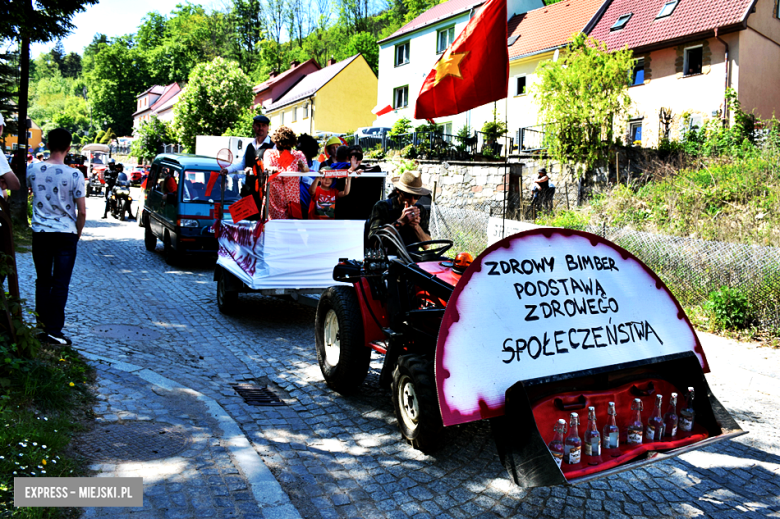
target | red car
[{"x": 136, "y": 175}]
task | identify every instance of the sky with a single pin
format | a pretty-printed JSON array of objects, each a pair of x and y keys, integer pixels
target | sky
[{"x": 112, "y": 18}]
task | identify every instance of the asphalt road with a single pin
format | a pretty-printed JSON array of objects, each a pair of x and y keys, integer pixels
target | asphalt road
[{"x": 338, "y": 456}]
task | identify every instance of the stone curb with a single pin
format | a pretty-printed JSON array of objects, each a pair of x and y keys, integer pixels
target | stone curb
[{"x": 273, "y": 501}]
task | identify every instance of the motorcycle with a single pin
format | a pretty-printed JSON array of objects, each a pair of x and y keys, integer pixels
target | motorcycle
[
  {"x": 95, "y": 185},
  {"x": 120, "y": 202}
]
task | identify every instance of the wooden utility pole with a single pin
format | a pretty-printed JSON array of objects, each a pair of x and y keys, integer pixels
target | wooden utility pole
[{"x": 19, "y": 197}]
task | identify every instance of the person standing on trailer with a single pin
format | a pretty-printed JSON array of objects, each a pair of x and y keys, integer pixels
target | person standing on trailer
[{"x": 255, "y": 150}]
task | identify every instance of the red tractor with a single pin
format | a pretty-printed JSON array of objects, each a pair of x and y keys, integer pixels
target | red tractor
[{"x": 541, "y": 326}]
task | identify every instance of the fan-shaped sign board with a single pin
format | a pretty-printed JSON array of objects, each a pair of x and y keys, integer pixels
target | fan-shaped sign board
[{"x": 547, "y": 302}]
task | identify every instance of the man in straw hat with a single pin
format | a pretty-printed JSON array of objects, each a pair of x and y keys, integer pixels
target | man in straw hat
[{"x": 402, "y": 210}]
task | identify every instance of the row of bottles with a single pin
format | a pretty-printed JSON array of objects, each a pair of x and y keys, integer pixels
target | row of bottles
[{"x": 658, "y": 428}]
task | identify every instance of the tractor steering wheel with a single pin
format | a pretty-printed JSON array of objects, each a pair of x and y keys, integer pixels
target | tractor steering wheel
[{"x": 418, "y": 254}]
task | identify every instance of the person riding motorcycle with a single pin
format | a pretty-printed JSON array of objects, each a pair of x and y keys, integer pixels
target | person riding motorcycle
[{"x": 112, "y": 172}]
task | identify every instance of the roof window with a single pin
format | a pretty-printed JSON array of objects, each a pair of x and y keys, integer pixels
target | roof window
[
  {"x": 667, "y": 9},
  {"x": 621, "y": 22}
]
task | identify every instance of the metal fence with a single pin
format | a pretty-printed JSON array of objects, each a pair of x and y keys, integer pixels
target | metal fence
[
  {"x": 434, "y": 145},
  {"x": 691, "y": 268}
]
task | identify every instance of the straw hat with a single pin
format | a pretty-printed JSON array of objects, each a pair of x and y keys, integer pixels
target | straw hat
[{"x": 410, "y": 183}]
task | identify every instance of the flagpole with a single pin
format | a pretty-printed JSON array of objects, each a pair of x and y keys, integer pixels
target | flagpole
[{"x": 506, "y": 162}]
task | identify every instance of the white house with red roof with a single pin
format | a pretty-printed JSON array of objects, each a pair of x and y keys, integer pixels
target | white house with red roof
[
  {"x": 688, "y": 52},
  {"x": 158, "y": 101},
  {"x": 407, "y": 56}
]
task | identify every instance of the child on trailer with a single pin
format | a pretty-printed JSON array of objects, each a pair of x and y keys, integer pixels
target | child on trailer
[
  {"x": 324, "y": 191},
  {"x": 323, "y": 197}
]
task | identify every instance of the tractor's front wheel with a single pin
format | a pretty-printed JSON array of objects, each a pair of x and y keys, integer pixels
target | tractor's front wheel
[
  {"x": 415, "y": 403},
  {"x": 341, "y": 352}
]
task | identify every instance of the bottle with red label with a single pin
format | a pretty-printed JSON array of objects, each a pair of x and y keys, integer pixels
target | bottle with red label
[
  {"x": 687, "y": 414},
  {"x": 655, "y": 424},
  {"x": 592, "y": 442},
  {"x": 573, "y": 445},
  {"x": 611, "y": 437},
  {"x": 556, "y": 445},
  {"x": 635, "y": 426},
  {"x": 671, "y": 419}
]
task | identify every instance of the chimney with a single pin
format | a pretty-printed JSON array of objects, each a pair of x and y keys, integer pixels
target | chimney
[
  {"x": 331, "y": 61},
  {"x": 294, "y": 63},
  {"x": 273, "y": 74}
]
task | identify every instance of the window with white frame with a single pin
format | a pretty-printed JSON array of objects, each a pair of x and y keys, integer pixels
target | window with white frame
[
  {"x": 306, "y": 111},
  {"x": 281, "y": 118},
  {"x": 638, "y": 74},
  {"x": 693, "y": 61},
  {"x": 444, "y": 38},
  {"x": 667, "y": 9},
  {"x": 401, "y": 97},
  {"x": 402, "y": 54},
  {"x": 294, "y": 113},
  {"x": 635, "y": 132},
  {"x": 520, "y": 84}
]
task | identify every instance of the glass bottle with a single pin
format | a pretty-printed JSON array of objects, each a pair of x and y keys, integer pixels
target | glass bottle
[
  {"x": 687, "y": 414},
  {"x": 670, "y": 418},
  {"x": 592, "y": 441},
  {"x": 635, "y": 427},
  {"x": 556, "y": 445},
  {"x": 573, "y": 444},
  {"x": 655, "y": 424},
  {"x": 611, "y": 436}
]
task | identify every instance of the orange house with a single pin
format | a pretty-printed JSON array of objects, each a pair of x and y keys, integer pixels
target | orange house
[{"x": 34, "y": 138}]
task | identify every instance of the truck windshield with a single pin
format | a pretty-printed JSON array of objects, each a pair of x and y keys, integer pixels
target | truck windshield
[{"x": 196, "y": 184}]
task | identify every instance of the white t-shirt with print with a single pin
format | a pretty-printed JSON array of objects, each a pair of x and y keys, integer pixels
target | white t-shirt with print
[{"x": 55, "y": 188}]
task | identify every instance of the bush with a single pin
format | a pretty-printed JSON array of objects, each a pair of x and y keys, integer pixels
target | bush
[
  {"x": 730, "y": 309},
  {"x": 400, "y": 127}
]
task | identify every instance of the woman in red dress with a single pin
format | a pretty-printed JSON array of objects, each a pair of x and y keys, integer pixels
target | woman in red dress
[{"x": 284, "y": 190}]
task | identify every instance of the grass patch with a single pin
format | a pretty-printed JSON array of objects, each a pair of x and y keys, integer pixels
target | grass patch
[{"x": 45, "y": 401}]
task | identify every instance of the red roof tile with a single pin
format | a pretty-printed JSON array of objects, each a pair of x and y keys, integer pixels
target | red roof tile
[
  {"x": 270, "y": 81},
  {"x": 550, "y": 27},
  {"x": 690, "y": 17},
  {"x": 435, "y": 14},
  {"x": 170, "y": 91}
]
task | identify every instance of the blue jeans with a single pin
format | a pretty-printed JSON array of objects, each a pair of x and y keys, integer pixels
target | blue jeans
[{"x": 54, "y": 254}]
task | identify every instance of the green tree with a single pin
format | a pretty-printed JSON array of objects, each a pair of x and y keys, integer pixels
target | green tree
[
  {"x": 364, "y": 43},
  {"x": 116, "y": 75},
  {"x": 243, "y": 126},
  {"x": 49, "y": 20},
  {"x": 71, "y": 65},
  {"x": 581, "y": 97},
  {"x": 150, "y": 136},
  {"x": 215, "y": 99}
]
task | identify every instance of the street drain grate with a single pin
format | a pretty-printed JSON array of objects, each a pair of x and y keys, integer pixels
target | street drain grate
[
  {"x": 257, "y": 396},
  {"x": 126, "y": 332},
  {"x": 133, "y": 441}
]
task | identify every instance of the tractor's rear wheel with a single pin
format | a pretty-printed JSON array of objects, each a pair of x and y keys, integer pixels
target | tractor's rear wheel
[
  {"x": 341, "y": 352},
  {"x": 415, "y": 403}
]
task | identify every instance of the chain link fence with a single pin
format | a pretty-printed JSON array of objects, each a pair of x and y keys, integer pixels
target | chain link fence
[{"x": 691, "y": 268}]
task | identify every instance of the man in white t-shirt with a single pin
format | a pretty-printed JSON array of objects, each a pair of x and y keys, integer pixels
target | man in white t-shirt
[
  {"x": 8, "y": 179},
  {"x": 59, "y": 214}
]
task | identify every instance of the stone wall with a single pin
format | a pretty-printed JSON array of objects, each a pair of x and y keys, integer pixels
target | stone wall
[{"x": 481, "y": 185}]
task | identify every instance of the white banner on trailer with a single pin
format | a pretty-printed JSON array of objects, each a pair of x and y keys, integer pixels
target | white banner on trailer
[{"x": 291, "y": 254}]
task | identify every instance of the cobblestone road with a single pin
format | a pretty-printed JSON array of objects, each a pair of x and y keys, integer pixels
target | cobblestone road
[{"x": 340, "y": 456}]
